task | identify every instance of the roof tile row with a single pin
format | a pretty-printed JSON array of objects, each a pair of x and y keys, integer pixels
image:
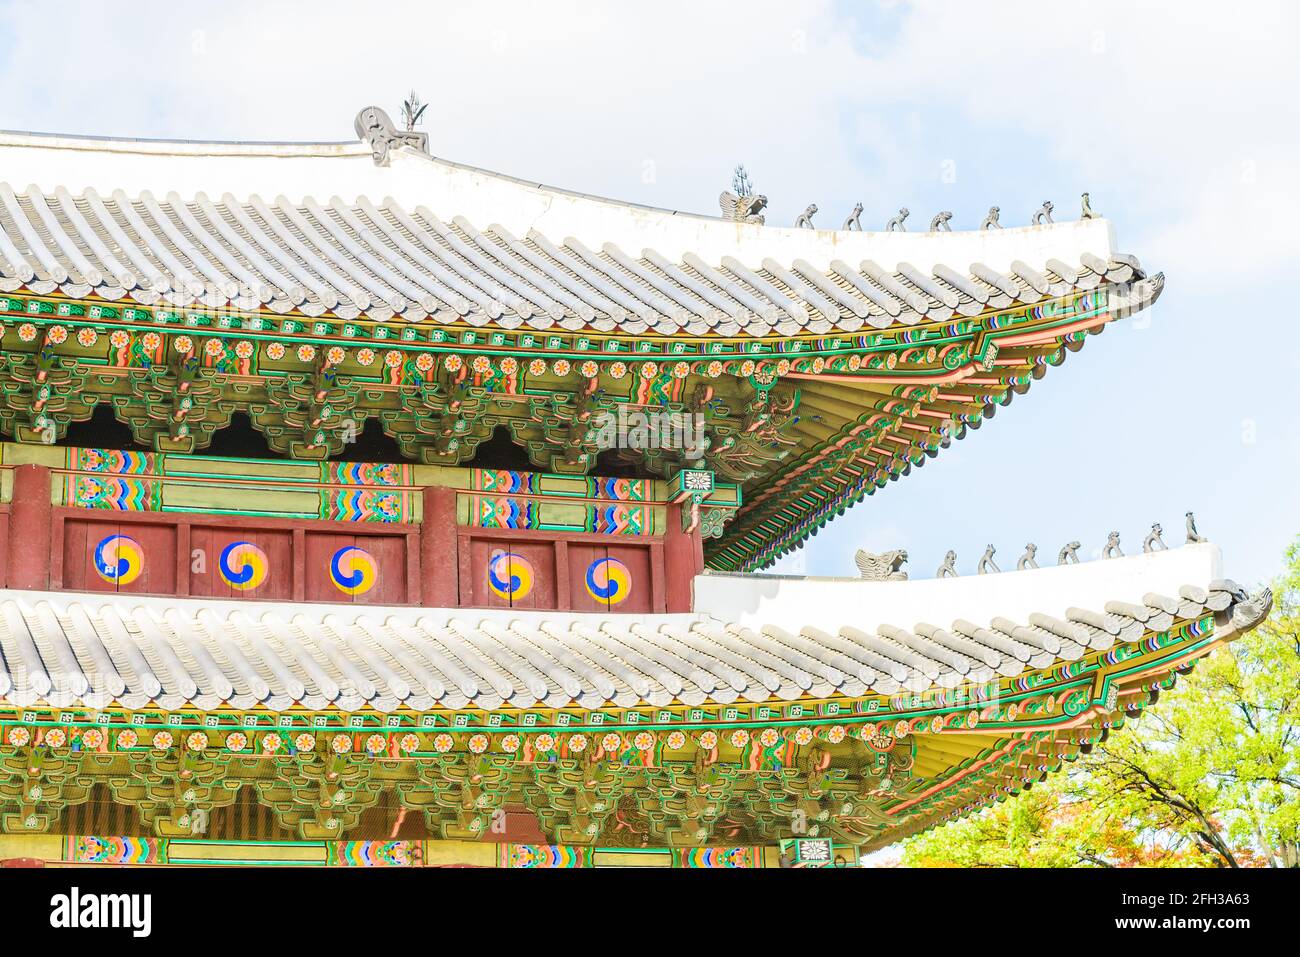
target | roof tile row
[
  {"x": 385, "y": 262},
  {"x": 79, "y": 650}
]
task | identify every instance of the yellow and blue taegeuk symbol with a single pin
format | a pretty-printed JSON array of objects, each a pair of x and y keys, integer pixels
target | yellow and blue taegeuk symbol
[
  {"x": 242, "y": 566},
  {"x": 353, "y": 571},
  {"x": 510, "y": 577},
  {"x": 609, "y": 580},
  {"x": 119, "y": 559}
]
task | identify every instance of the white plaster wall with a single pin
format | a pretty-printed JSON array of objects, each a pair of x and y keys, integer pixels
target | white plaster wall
[
  {"x": 345, "y": 170},
  {"x": 790, "y": 603},
  {"x": 829, "y": 603},
  {"x": 343, "y": 612}
]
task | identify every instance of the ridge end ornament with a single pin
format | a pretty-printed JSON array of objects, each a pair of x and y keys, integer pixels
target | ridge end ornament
[
  {"x": 1193, "y": 536},
  {"x": 1249, "y": 613},
  {"x": 885, "y": 567},
  {"x": 1086, "y": 209},
  {"x": 376, "y": 128},
  {"x": 742, "y": 209}
]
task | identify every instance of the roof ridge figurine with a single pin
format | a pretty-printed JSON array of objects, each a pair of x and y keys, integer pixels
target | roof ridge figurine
[
  {"x": 1153, "y": 542},
  {"x": 1086, "y": 210},
  {"x": 1112, "y": 549},
  {"x": 805, "y": 218},
  {"x": 990, "y": 220},
  {"x": 987, "y": 566},
  {"x": 895, "y": 225},
  {"x": 940, "y": 222},
  {"x": 1043, "y": 214},
  {"x": 853, "y": 222},
  {"x": 1027, "y": 560},
  {"x": 949, "y": 567},
  {"x": 1069, "y": 554},
  {"x": 1193, "y": 536}
]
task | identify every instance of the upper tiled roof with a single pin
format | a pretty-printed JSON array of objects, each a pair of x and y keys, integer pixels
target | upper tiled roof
[{"x": 264, "y": 227}]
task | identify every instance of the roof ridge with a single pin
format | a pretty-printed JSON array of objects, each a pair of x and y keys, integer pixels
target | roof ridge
[{"x": 162, "y": 140}]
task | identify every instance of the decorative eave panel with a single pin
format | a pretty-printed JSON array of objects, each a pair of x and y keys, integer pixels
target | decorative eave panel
[{"x": 811, "y": 434}]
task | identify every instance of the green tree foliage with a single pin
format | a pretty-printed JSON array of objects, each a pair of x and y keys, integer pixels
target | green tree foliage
[{"x": 1209, "y": 776}]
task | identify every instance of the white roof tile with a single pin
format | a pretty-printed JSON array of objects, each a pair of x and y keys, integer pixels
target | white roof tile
[{"x": 379, "y": 259}]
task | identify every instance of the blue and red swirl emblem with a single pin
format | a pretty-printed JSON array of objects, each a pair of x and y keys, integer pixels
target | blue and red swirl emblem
[{"x": 353, "y": 570}]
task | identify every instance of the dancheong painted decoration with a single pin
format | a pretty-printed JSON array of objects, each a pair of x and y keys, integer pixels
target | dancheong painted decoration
[{"x": 424, "y": 527}]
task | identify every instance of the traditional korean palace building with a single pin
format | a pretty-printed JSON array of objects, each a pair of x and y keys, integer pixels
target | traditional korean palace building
[{"x": 359, "y": 507}]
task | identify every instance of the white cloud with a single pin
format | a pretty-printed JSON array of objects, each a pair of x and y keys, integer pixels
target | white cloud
[
  {"x": 574, "y": 93},
  {"x": 1191, "y": 108}
]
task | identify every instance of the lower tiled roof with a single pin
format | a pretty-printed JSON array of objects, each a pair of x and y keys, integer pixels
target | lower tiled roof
[{"x": 69, "y": 650}]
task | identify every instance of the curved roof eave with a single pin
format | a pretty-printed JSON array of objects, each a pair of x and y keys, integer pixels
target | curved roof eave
[{"x": 758, "y": 649}]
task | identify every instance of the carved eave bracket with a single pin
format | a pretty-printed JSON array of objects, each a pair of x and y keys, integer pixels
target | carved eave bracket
[{"x": 706, "y": 504}]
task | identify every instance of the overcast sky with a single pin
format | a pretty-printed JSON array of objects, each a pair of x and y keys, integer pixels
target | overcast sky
[{"x": 1180, "y": 119}]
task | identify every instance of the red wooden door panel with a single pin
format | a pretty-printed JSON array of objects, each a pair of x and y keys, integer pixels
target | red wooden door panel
[
  {"x": 365, "y": 569},
  {"x": 77, "y": 560},
  {"x": 629, "y": 586},
  {"x": 610, "y": 578},
  {"x": 321, "y": 547},
  {"x": 205, "y": 582},
  {"x": 157, "y": 546},
  {"x": 388, "y": 553},
  {"x": 583, "y": 559},
  {"x": 138, "y": 559},
  {"x": 490, "y": 574},
  {"x": 219, "y": 564},
  {"x": 533, "y": 565},
  {"x": 512, "y": 574}
]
